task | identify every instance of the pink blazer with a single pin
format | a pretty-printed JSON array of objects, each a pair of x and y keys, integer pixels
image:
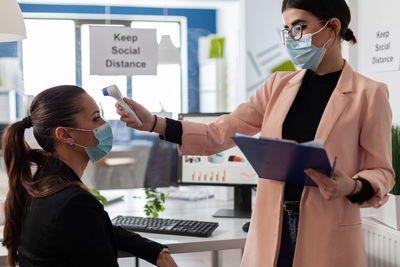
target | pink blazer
[{"x": 355, "y": 127}]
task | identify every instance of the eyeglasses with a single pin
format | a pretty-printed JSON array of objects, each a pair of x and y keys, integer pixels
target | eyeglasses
[{"x": 296, "y": 32}]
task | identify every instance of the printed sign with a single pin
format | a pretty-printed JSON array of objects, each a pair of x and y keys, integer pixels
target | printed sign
[
  {"x": 384, "y": 49},
  {"x": 123, "y": 51}
]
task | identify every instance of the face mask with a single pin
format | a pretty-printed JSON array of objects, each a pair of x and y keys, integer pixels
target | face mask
[
  {"x": 303, "y": 53},
  {"x": 104, "y": 135}
]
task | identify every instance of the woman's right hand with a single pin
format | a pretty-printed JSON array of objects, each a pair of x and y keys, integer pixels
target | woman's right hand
[
  {"x": 165, "y": 260},
  {"x": 145, "y": 116}
]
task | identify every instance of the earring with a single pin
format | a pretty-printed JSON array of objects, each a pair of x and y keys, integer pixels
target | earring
[{"x": 71, "y": 141}]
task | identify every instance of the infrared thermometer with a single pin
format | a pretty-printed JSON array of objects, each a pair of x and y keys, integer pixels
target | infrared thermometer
[{"x": 113, "y": 91}]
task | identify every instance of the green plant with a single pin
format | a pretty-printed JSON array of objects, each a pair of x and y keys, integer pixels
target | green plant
[
  {"x": 396, "y": 158},
  {"x": 97, "y": 194},
  {"x": 154, "y": 202}
]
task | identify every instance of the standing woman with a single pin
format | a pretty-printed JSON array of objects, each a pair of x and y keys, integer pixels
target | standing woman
[
  {"x": 294, "y": 225},
  {"x": 51, "y": 217}
]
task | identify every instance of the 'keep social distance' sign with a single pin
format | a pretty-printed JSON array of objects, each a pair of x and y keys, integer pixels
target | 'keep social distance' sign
[
  {"x": 384, "y": 52},
  {"x": 123, "y": 51}
]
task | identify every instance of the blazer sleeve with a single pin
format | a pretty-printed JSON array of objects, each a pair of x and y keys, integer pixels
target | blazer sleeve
[
  {"x": 203, "y": 139},
  {"x": 85, "y": 239},
  {"x": 376, "y": 142},
  {"x": 137, "y": 245}
]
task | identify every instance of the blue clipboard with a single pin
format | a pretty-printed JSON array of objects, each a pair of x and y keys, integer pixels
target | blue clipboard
[{"x": 283, "y": 161}]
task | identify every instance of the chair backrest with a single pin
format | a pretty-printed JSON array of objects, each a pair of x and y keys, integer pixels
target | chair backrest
[
  {"x": 161, "y": 170},
  {"x": 2, "y": 128}
]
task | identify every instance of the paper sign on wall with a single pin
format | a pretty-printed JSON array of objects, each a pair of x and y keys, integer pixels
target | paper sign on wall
[
  {"x": 123, "y": 51},
  {"x": 384, "y": 47}
]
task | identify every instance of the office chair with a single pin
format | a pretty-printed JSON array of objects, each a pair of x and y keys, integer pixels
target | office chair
[{"x": 161, "y": 169}]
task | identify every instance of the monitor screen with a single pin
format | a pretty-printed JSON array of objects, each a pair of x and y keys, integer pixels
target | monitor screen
[
  {"x": 229, "y": 167},
  {"x": 226, "y": 168}
]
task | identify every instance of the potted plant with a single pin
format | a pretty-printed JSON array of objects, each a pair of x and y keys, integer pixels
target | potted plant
[
  {"x": 99, "y": 196},
  {"x": 154, "y": 202},
  {"x": 389, "y": 213},
  {"x": 396, "y": 158}
]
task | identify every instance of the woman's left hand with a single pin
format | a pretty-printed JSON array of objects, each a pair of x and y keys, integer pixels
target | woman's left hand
[
  {"x": 340, "y": 185},
  {"x": 165, "y": 260}
]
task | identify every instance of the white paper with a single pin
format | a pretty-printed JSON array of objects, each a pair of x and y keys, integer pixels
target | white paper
[{"x": 314, "y": 143}]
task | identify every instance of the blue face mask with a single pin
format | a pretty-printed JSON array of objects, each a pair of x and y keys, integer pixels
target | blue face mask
[
  {"x": 303, "y": 53},
  {"x": 104, "y": 135}
]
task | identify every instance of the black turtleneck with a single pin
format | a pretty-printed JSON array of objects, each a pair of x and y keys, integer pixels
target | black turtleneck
[{"x": 303, "y": 118}]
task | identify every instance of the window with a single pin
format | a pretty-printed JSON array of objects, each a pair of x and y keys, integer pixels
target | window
[
  {"x": 161, "y": 91},
  {"x": 57, "y": 52},
  {"x": 48, "y": 55},
  {"x": 94, "y": 84}
]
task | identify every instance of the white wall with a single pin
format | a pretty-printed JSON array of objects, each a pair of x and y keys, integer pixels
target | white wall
[
  {"x": 229, "y": 26},
  {"x": 264, "y": 49},
  {"x": 368, "y": 14}
]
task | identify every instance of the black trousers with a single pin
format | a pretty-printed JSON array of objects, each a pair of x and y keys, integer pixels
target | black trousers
[{"x": 290, "y": 224}]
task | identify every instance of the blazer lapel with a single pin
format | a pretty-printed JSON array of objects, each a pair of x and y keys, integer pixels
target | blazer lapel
[
  {"x": 285, "y": 101},
  {"x": 337, "y": 103}
]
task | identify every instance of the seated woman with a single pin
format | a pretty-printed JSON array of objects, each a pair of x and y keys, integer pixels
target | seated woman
[{"x": 52, "y": 219}]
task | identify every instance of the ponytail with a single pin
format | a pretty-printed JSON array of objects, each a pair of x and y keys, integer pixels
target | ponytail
[
  {"x": 15, "y": 154},
  {"x": 349, "y": 36}
]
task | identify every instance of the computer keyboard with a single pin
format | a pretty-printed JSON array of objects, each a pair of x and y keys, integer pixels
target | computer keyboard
[{"x": 166, "y": 226}]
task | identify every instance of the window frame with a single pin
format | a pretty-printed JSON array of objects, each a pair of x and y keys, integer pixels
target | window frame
[{"x": 126, "y": 20}]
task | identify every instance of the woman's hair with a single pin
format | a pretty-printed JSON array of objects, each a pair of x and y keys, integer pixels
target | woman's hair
[
  {"x": 51, "y": 108},
  {"x": 326, "y": 10}
]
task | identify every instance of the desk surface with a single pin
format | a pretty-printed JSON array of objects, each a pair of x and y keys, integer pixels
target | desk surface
[{"x": 228, "y": 235}]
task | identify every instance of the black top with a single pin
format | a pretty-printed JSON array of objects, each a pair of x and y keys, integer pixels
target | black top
[
  {"x": 303, "y": 118},
  {"x": 71, "y": 228},
  {"x": 300, "y": 124}
]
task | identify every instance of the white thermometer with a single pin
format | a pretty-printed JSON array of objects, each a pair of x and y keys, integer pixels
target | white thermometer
[{"x": 113, "y": 91}]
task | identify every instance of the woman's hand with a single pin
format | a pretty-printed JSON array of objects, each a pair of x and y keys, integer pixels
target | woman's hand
[
  {"x": 165, "y": 260},
  {"x": 145, "y": 116},
  {"x": 340, "y": 185}
]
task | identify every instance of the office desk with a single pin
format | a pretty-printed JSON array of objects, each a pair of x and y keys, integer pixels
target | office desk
[{"x": 228, "y": 235}]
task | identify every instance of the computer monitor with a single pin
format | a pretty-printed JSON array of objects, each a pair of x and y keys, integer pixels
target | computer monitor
[{"x": 227, "y": 168}]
